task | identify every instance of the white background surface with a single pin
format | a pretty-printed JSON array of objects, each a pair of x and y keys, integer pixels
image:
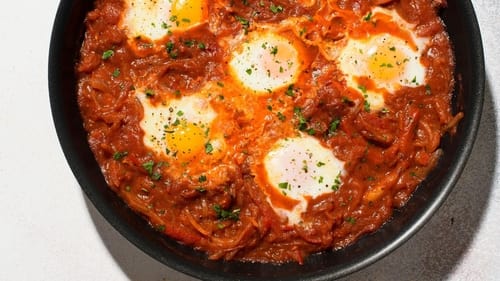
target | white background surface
[{"x": 50, "y": 231}]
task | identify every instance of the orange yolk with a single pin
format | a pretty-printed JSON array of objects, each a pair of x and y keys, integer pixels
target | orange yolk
[
  {"x": 186, "y": 140},
  {"x": 188, "y": 12},
  {"x": 385, "y": 61}
]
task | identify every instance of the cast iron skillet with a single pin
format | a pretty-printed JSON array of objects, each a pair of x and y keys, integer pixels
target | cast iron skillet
[{"x": 66, "y": 38}]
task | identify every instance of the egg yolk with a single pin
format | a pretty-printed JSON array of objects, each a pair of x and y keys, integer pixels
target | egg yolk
[
  {"x": 185, "y": 140},
  {"x": 188, "y": 12},
  {"x": 265, "y": 63},
  {"x": 277, "y": 61},
  {"x": 385, "y": 61}
]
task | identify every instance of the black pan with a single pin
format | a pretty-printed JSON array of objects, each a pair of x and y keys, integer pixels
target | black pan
[{"x": 66, "y": 39}]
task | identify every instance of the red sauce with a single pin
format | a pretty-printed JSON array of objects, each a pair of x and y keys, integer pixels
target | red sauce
[{"x": 387, "y": 154}]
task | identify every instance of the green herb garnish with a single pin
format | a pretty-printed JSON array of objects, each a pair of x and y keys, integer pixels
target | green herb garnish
[
  {"x": 209, "y": 148},
  {"x": 107, "y": 54},
  {"x": 116, "y": 72},
  {"x": 119, "y": 155},
  {"x": 350, "y": 220},
  {"x": 244, "y": 22},
  {"x": 149, "y": 93},
  {"x": 148, "y": 166},
  {"x": 368, "y": 17},
  {"x": 202, "y": 178},
  {"x": 333, "y": 127},
  {"x": 290, "y": 91},
  {"x": 226, "y": 214},
  {"x": 281, "y": 117},
  {"x": 275, "y": 9},
  {"x": 302, "y": 126},
  {"x": 284, "y": 185},
  {"x": 336, "y": 183}
]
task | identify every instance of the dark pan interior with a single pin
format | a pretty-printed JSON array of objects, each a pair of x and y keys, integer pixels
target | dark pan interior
[{"x": 66, "y": 38}]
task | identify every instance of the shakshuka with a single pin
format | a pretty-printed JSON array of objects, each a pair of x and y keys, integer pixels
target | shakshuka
[{"x": 266, "y": 130}]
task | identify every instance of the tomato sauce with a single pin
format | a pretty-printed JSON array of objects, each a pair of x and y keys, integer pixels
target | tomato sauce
[{"x": 387, "y": 153}]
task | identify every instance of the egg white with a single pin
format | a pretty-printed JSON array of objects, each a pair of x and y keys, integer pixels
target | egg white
[
  {"x": 182, "y": 121},
  {"x": 265, "y": 62},
  {"x": 389, "y": 61},
  {"x": 297, "y": 169},
  {"x": 156, "y": 19}
]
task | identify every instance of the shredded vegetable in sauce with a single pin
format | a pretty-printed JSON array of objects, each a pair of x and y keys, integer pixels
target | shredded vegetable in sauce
[{"x": 266, "y": 130}]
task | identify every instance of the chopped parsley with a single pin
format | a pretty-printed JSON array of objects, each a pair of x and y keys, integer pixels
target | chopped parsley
[
  {"x": 366, "y": 104},
  {"x": 244, "y": 22},
  {"x": 148, "y": 166},
  {"x": 284, "y": 185},
  {"x": 226, "y": 214},
  {"x": 119, "y": 155},
  {"x": 302, "y": 31},
  {"x": 107, "y": 54},
  {"x": 276, "y": 9},
  {"x": 368, "y": 17},
  {"x": 116, "y": 72},
  {"x": 346, "y": 99},
  {"x": 155, "y": 176},
  {"x": 290, "y": 91},
  {"x": 189, "y": 43},
  {"x": 305, "y": 168},
  {"x": 169, "y": 46},
  {"x": 281, "y": 117},
  {"x": 336, "y": 183},
  {"x": 174, "y": 19},
  {"x": 302, "y": 126},
  {"x": 321, "y": 179},
  {"x": 149, "y": 93},
  {"x": 362, "y": 88},
  {"x": 202, "y": 178},
  {"x": 350, "y": 220},
  {"x": 274, "y": 50},
  {"x": 209, "y": 148},
  {"x": 333, "y": 127}
]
